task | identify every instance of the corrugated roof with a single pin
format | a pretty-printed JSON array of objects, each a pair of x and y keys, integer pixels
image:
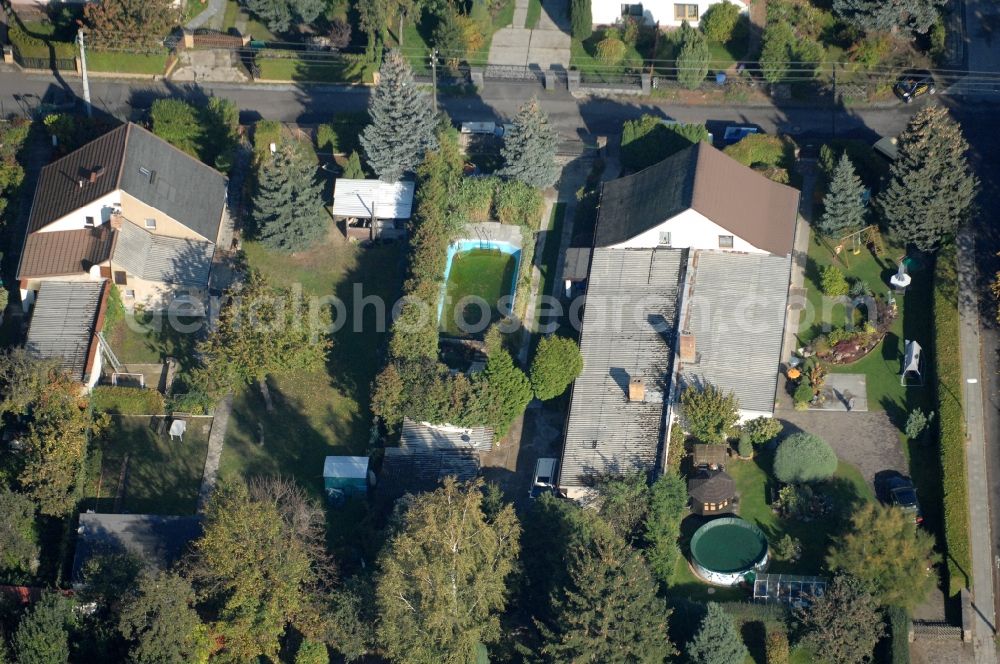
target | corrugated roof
[
  {"x": 423, "y": 436},
  {"x": 174, "y": 182},
  {"x": 62, "y": 324},
  {"x": 158, "y": 541},
  {"x": 736, "y": 312},
  {"x": 141, "y": 164},
  {"x": 166, "y": 259},
  {"x": 413, "y": 470},
  {"x": 61, "y": 253},
  {"x": 345, "y": 466},
  {"x": 59, "y": 192},
  {"x": 355, "y": 198},
  {"x": 739, "y": 199},
  {"x": 629, "y": 325}
]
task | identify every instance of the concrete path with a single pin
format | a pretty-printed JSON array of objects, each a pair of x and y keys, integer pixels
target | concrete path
[
  {"x": 215, "y": 442},
  {"x": 982, "y": 43},
  {"x": 520, "y": 13},
  {"x": 212, "y": 17},
  {"x": 984, "y": 625},
  {"x": 543, "y": 47}
]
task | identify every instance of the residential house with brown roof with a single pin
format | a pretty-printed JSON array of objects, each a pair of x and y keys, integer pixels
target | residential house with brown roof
[
  {"x": 130, "y": 208},
  {"x": 687, "y": 284}
]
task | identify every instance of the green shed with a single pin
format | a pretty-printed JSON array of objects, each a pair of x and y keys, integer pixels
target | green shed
[{"x": 345, "y": 475}]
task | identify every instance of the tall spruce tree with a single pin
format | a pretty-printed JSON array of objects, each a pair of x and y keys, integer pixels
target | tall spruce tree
[
  {"x": 931, "y": 188},
  {"x": 403, "y": 125},
  {"x": 529, "y": 148},
  {"x": 886, "y": 15},
  {"x": 692, "y": 60},
  {"x": 844, "y": 211},
  {"x": 609, "y": 610},
  {"x": 288, "y": 205},
  {"x": 717, "y": 641}
]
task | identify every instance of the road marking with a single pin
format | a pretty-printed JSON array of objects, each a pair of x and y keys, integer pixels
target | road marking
[{"x": 972, "y": 381}]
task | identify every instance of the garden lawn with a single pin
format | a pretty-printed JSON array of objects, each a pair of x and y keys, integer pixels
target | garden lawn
[
  {"x": 127, "y": 63},
  {"x": 550, "y": 257},
  {"x": 152, "y": 338},
  {"x": 583, "y": 56},
  {"x": 480, "y": 273},
  {"x": 326, "y": 413},
  {"x": 163, "y": 475},
  {"x": 534, "y": 14},
  {"x": 298, "y": 69}
]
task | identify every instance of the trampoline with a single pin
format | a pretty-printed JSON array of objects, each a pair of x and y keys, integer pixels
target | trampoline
[{"x": 724, "y": 551}]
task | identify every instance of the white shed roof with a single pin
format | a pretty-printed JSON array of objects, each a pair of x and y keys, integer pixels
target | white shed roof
[
  {"x": 355, "y": 198},
  {"x": 346, "y": 466}
]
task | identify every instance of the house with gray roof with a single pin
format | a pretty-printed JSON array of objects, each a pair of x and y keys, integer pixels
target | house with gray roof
[
  {"x": 687, "y": 284},
  {"x": 129, "y": 208},
  {"x": 64, "y": 326}
]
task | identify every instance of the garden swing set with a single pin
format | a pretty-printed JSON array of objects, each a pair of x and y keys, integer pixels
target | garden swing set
[{"x": 867, "y": 236}]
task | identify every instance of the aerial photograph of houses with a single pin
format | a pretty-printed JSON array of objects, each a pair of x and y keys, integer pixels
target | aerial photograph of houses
[{"x": 511, "y": 331}]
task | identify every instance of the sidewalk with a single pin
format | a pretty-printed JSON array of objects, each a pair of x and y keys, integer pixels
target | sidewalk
[{"x": 984, "y": 621}]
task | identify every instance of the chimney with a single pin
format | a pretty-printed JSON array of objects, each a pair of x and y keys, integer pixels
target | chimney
[
  {"x": 688, "y": 352},
  {"x": 116, "y": 222},
  {"x": 636, "y": 390},
  {"x": 93, "y": 177}
]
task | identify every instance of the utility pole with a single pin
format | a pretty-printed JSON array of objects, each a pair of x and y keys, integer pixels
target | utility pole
[
  {"x": 656, "y": 42},
  {"x": 83, "y": 68},
  {"x": 434, "y": 79},
  {"x": 833, "y": 118}
]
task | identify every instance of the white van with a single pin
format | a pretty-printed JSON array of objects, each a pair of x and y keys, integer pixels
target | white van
[{"x": 545, "y": 477}]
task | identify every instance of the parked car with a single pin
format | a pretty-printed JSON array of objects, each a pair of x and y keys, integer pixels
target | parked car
[
  {"x": 903, "y": 494},
  {"x": 545, "y": 477},
  {"x": 914, "y": 83},
  {"x": 735, "y": 134}
]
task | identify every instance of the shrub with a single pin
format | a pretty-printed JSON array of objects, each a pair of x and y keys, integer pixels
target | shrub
[
  {"x": 951, "y": 423},
  {"x": 518, "y": 203},
  {"x": 803, "y": 392},
  {"x": 786, "y": 548},
  {"x": 719, "y": 21},
  {"x": 763, "y": 150},
  {"x": 803, "y": 457},
  {"x": 899, "y": 635},
  {"x": 832, "y": 283},
  {"x": 611, "y": 50},
  {"x": 649, "y": 140},
  {"x": 917, "y": 422},
  {"x": 762, "y": 430},
  {"x": 556, "y": 364},
  {"x": 193, "y": 402},
  {"x": 710, "y": 413},
  {"x": 474, "y": 198},
  {"x": 115, "y": 312},
  {"x": 777, "y": 647},
  {"x": 312, "y": 652},
  {"x": 871, "y": 51},
  {"x": 127, "y": 400},
  {"x": 744, "y": 447},
  {"x": 629, "y": 27}
]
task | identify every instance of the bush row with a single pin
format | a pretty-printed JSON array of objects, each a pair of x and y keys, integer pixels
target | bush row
[
  {"x": 32, "y": 47},
  {"x": 127, "y": 400},
  {"x": 951, "y": 421}
]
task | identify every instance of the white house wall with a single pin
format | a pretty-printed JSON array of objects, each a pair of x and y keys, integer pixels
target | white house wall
[
  {"x": 688, "y": 230},
  {"x": 99, "y": 209},
  {"x": 607, "y": 12}
]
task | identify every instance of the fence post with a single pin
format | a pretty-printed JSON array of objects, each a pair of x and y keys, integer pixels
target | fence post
[
  {"x": 476, "y": 77},
  {"x": 188, "y": 40},
  {"x": 573, "y": 80},
  {"x": 647, "y": 83},
  {"x": 550, "y": 79}
]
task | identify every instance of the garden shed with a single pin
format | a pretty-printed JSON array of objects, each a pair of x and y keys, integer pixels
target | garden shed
[
  {"x": 911, "y": 364},
  {"x": 709, "y": 456},
  {"x": 712, "y": 492},
  {"x": 345, "y": 475},
  {"x": 372, "y": 209}
]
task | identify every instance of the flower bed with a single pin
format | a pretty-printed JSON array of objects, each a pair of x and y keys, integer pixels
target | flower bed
[{"x": 843, "y": 346}]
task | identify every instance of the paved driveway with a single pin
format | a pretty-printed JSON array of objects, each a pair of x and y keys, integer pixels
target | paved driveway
[{"x": 546, "y": 45}]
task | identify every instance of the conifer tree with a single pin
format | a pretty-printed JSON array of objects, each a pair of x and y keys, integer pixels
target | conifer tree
[
  {"x": 886, "y": 15},
  {"x": 843, "y": 211},
  {"x": 581, "y": 19},
  {"x": 717, "y": 641},
  {"x": 556, "y": 364},
  {"x": 529, "y": 148},
  {"x": 692, "y": 60},
  {"x": 504, "y": 389},
  {"x": 353, "y": 169},
  {"x": 42, "y": 637},
  {"x": 609, "y": 610},
  {"x": 402, "y": 125},
  {"x": 288, "y": 206},
  {"x": 931, "y": 188}
]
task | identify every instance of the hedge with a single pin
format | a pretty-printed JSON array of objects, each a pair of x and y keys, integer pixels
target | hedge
[
  {"x": 127, "y": 400},
  {"x": 951, "y": 422},
  {"x": 899, "y": 635},
  {"x": 33, "y": 47}
]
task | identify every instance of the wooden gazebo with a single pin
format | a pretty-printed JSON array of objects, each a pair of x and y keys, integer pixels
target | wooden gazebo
[{"x": 712, "y": 492}]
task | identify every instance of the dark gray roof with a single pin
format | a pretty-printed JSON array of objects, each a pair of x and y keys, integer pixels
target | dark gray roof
[
  {"x": 160, "y": 258},
  {"x": 576, "y": 264},
  {"x": 739, "y": 199},
  {"x": 176, "y": 184},
  {"x": 63, "y": 322},
  {"x": 711, "y": 487},
  {"x": 158, "y": 541},
  {"x": 419, "y": 435},
  {"x": 141, "y": 164},
  {"x": 736, "y": 312},
  {"x": 628, "y": 329},
  {"x": 414, "y": 470}
]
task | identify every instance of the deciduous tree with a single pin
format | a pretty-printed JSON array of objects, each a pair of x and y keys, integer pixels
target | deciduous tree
[
  {"x": 844, "y": 624},
  {"x": 888, "y": 553},
  {"x": 709, "y": 413},
  {"x": 159, "y": 619},
  {"x": 130, "y": 23},
  {"x": 556, "y": 364},
  {"x": 529, "y": 148},
  {"x": 719, "y": 21},
  {"x": 931, "y": 188},
  {"x": 42, "y": 637},
  {"x": 262, "y": 561},
  {"x": 884, "y": 15},
  {"x": 443, "y": 577},
  {"x": 504, "y": 390},
  {"x": 761, "y": 430},
  {"x": 843, "y": 208},
  {"x": 262, "y": 330},
  {"x": 803, "y": 457},
  {"x": 288, "y": 204},
  {"x": 18, "y": 536},
  {"x": 177, "y": 122},
  {"x": 717, "y": 641},
  {"x": 402, "y": 125}
]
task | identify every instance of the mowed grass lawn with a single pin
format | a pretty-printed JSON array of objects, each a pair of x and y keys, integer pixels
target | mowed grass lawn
[
  {"x": 163, "y": 475},
  {"x": 152, "y": 338},
  {"x": 325, "y": 413},
  {"x": 479, "y": 273}
]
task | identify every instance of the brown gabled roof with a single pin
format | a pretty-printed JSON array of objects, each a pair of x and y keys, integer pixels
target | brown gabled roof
[
  {"x": 62, "y": 253},
  {"x": 59, "y": 191},
  {"x": 739, "y": 199}
]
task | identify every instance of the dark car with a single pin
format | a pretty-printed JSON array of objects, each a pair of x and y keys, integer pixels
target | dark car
[
  {"x": 901, "y": 493},
  {"x": 913, "y": 83}
]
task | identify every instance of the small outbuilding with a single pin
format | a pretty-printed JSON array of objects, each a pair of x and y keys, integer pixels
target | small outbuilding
[
  {"x": 709, "y": 456},
  {"x": 372, "y": 209},
  {"x": 712, "y": 492},
  {"x": 912, "y": 364},
  {"x": 345, "y": 476}
]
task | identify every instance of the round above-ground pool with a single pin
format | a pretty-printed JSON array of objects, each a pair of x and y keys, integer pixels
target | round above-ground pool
[{"x": 724, "y": 551}]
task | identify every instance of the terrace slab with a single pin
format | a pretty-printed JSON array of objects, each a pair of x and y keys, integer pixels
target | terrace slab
[{"x": 840, "y": 389}]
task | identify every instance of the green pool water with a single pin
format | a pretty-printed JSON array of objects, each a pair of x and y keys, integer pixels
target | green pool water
[
  {"x": 485, "y": 273},
  {"x": 728, "y": 545}
]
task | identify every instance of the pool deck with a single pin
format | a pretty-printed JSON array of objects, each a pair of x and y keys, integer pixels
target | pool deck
[{"x": 492, "y": 231}]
